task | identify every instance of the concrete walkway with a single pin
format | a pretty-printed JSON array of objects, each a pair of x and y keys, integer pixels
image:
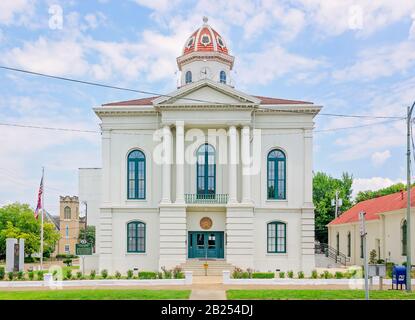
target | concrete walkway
[{"x": 207, "y": 294}]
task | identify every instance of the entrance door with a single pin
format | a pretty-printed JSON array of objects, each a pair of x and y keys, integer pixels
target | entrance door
[{"x": 206, "y": 244}]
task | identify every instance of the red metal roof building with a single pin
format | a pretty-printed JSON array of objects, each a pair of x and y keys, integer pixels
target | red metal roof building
[{"x": 373, "y": 207}]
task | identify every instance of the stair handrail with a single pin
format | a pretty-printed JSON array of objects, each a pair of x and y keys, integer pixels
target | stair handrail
[{"x": 332, "y": 253}]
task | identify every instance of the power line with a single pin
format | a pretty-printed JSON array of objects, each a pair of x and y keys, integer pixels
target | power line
[
  {"x": 126, "y": 133},
  {"x": 182, "y": 98}
]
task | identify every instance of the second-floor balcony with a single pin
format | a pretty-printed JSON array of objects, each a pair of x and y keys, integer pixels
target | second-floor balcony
[{"x": 193, "y": 198}]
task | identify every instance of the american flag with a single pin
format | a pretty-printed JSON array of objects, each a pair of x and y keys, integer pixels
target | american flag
[{"x": 39, "y": 198}]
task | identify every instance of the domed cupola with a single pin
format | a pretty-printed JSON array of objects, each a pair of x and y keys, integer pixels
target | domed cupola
[{"x": 205, "y": 56}]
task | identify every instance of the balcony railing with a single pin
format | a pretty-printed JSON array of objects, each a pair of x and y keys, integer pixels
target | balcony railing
[{"x": 206, "y": 198}]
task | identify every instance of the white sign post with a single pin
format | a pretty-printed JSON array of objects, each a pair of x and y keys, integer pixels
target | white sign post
[{"x": 366, "y": 266}]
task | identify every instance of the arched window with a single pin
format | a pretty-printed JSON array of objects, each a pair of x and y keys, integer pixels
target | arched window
[
  {"x": 188, "y": 76},
  {"x": 338, "y": 243},
  {"x": 67, "y": 213},
  {"x": 136, "y": 175},
  {"x": 136, "y": 236},
  {"x": 349, "y": 244},
  {"x": 403, "y": 237},
  {"x": 206, "y": 171},
  {"x": 276, "y": 237},
  {"x": 222, "y": 77},
  {"x": 276, "y": 175}
]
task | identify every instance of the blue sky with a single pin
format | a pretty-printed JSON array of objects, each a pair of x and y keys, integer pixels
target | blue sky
[{"x": 352, "y": 57}]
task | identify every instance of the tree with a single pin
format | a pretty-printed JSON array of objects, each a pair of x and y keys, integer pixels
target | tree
[
  {"x": 324, "y": 190},
  {"x": 90, "y": 234},
  {"x": 18, "y": 221},
  {"x": 369, "y": 194}
]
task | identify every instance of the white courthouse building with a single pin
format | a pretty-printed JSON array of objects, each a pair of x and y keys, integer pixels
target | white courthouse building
[{"x": 204, "y": 172}]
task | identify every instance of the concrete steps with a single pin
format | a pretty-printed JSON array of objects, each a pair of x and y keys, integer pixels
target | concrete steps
[{"x": 215, "y": 267}]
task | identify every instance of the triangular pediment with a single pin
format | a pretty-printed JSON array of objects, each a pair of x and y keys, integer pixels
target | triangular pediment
[{"x": 206, "y": 92}]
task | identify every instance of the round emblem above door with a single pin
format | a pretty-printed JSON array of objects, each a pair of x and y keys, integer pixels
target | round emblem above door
[{"x": 206, "y": 223}]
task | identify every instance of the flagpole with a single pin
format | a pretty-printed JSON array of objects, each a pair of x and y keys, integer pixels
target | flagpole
[{"x": 41, "y": 219}]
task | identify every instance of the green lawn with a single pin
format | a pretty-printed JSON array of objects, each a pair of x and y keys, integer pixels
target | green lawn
[
  {"x": 98, "y": 294},
  {"x": 316, "y": 294}
]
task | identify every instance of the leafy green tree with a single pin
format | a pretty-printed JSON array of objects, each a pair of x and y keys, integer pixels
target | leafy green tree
[
  {"x": 369, "y": 194},
  {"x": 90, "y": 234},
  {"x": 324, "y": 190},
  {"x": 18, "y": 221}
]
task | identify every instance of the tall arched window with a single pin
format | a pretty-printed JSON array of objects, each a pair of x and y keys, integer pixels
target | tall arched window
[
  {"x": 349, "y": 244},
  {"x": 206, "y": 171},
  {"x": 136, "y": 236},
  {"x": 222, "y": 77},
  {"x": 276, "y": 237},
  {"x": 276, "y": 175},
  {"x": 403, "y": 237},
  {"x": 188, "y": 77},
  {"x": 136, "y": 175},
  {"x": 67, "y": 213}
]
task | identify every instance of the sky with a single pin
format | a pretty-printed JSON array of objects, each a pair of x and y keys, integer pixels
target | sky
[{"x": 350, "y": 56}]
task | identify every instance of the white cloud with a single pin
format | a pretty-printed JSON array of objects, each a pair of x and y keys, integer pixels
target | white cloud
[
  {"x": 374, "y": 183},
  {"x": 16, "y": 11},
  {"x": 272, "y": 63},
  {"x": 333, "y": 18},
  {"x": 374, "y": 63},
  {"x": 379, "y": 158}
]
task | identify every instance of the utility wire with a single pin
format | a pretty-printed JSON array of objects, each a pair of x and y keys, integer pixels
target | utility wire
[
  {"x": 182, "y": 98},
  {"x": 126, "y": 133}
]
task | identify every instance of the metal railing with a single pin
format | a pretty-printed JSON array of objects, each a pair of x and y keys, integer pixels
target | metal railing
[
  {"x": 206, "y": 198},
  {"x": 330, "y": 252}
]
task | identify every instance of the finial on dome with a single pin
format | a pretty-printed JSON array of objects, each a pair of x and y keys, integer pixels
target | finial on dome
[{"x": 205, "y": 20}]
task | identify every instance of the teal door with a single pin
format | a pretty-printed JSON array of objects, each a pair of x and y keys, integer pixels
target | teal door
[{"x": 206, "y": 244}]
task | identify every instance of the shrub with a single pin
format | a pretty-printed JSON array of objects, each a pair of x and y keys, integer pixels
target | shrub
[
  {"x": 79, "y": 275},
  {"x": 39, "y": 275},
  {"x": 159, "y": 275},
  {"x": 117, "y": 275},
  {"x": 250, "y": 272},
  {"x": 104, "y": 273},
  {"x": 300, "y": 275},
  {"x": 339, "y": 275},
  {"x": 263, "y": 275},
  {"x": 314, "y": 274},
  {"x": 68, "y": 275},
  {"x": 130, "y": 274},
  {"x": 10, "y": 275},
  {"x": 178, "y": 273},
  {"x": 68, "y": 262},
  {"x": 20, "y": 275},
  {"x": 281, "y": 274},
  {"x": 372, "y": 256},
  {"x": 237, "y": 273},
  {"x": 380, "y": 261},
  {"x": 2, "y": 273},
  {"x": 290, "y": 274},
  {"x": 147, "y": 275},
  {"x": 92, "y": 274},
  {"x": 326, "y": 275},
  {"x": 31, "y": 275},
  {"x": 167, "y": 273},
  {"x": 245, "y": 275},
  {"x": 389, "y": 267}
]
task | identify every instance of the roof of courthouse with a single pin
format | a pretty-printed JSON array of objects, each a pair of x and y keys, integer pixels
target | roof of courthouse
[
  {"x": 148, "y": 101},
  {"x": 373, "y": 207}
]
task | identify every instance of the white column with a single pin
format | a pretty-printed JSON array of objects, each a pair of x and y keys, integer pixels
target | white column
[
  {"x": 232, "y": 182},
  {"x": 180, "y": 162},
  {"x": 245, "y": 157},
  {"x": 167, "y": 156}
]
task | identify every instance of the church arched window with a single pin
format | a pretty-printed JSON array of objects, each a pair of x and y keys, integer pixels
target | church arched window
[
  {"x": 222, "y": 77},
  {"x": 188, "y": 77}
]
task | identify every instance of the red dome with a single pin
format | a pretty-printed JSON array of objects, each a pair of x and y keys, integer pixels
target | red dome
[{"x": 205, "y": 39}]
